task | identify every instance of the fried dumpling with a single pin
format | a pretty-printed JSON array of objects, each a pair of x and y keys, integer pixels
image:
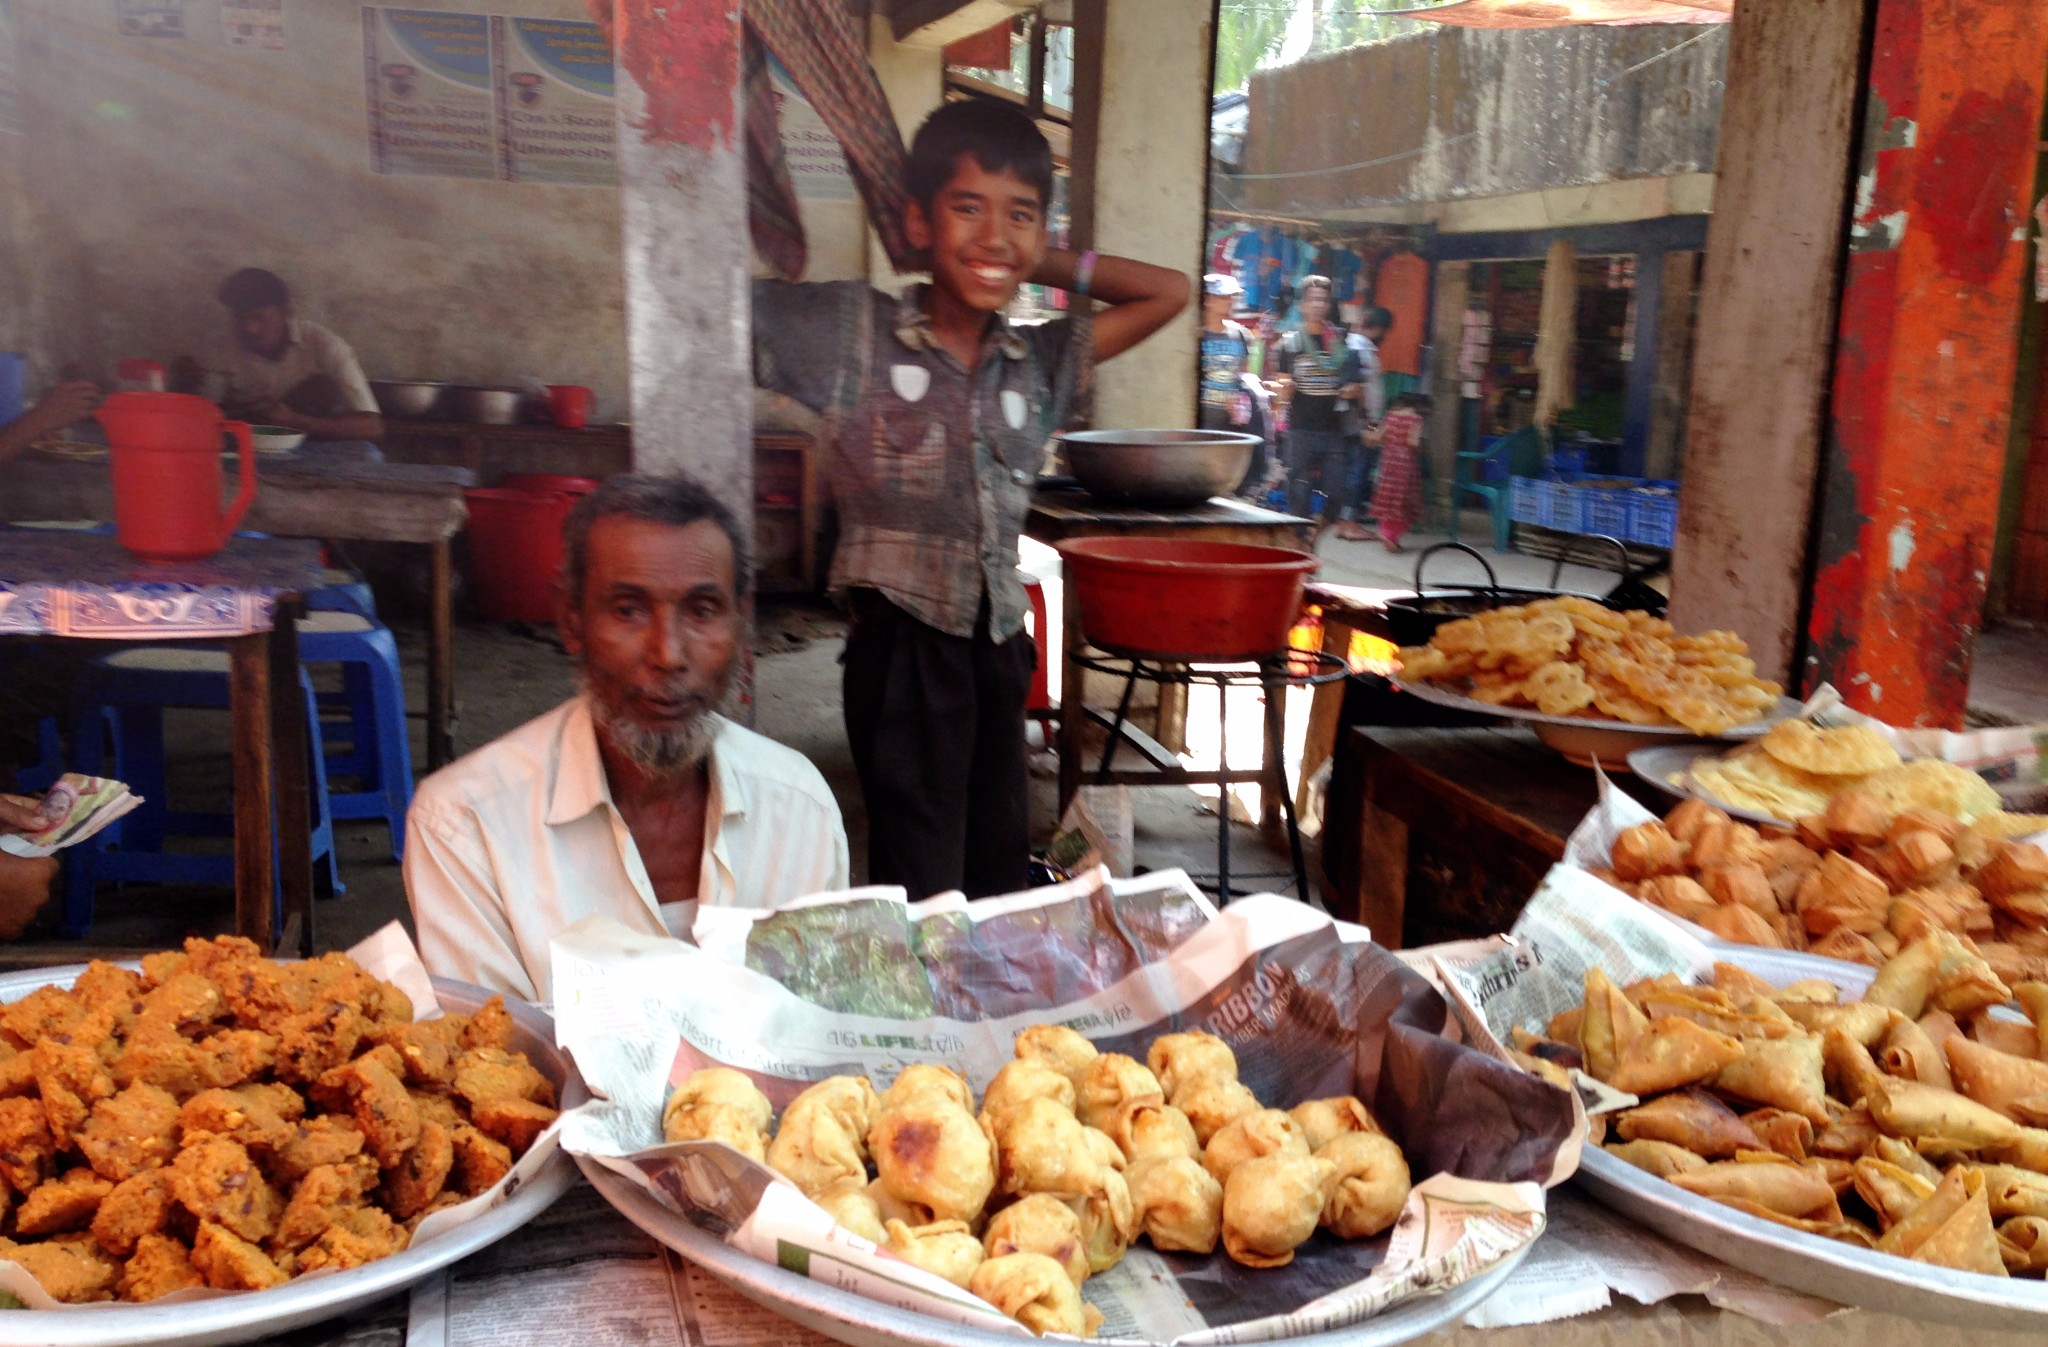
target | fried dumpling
[
  {"x": 1863, "y": 1021},
  {"x": 717, "y": 1122},
  {"x": 1212, "y": 1105},
  {"x": 1057, "y": 1046},
  {"x": 1151, "y": 1127},
  {"x": 1180, "y": 1060},
  {"x": 1266, "y": 1132},
  {"x": 1669, "y": 1053},
  {"x": 1178, "y": 1203},
  {"x": 1107, "y": 1083},
  {"x": 821, "y": 1143},
  {"x": 1271, "y": 1205},
  {"x": 720, "y": 1085},
  {"x": 854, "y": 1207},
  {"x": 1952, "y": 1228},
  {"x": 1369, "y": 1184},
  {"x": 1907, "y": 979},
  {"x": 1938, "y": 1118},
  {"x": 1027, "y": 1078},
  {"x": 2023, "y": 1244},
  {"x": 1109, "y": 1222},
  {"x": 934, "y": 1154},
  {"x": 2012, "y": 1191},
  {"x": 922, "y": 1080},
  {"x": 1785, "y": 1072},
  {"x": 1963, "y": 982},
  {"x": 1848, "y": 1066},
  {"x": 1036, "y": 1292},
  {"x": 1890, "y": 1190},
  {"x": 944, "y": 1248},
  {"x": 1693, "y": 1119},
  {"x": 1041, "y": 1147},
  {"x": 2015, "y": 1086},
  {"x": 1656, "y": 1157},
  {"x": 1908, "y": 1052},
  {"x": 1782, "y": 1131},
  {"x": 1609, "y": 1021},
  {"x": 1323, "y": 1120},
  {"x": 1040, "y": 1223},
  {"x": 1789, "y": 1189}
]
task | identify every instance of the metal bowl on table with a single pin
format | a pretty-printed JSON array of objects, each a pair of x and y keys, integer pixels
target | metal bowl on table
[
  {"x": 486, "y": 406},
  {"x": 407, "y": 398},
  {"x": 1157, "y": 467}
]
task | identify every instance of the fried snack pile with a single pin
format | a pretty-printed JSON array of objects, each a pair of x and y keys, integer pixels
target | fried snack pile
[
  {"x": 1072, "y": 1156},
  {"x": 220, "y": 1119},
  {"x": 1854, "y": 883},
  {"x": 1797, "y": 770},
  {"x": 1569, "y": 656},
  {"x": 1910, "y": 1122}
]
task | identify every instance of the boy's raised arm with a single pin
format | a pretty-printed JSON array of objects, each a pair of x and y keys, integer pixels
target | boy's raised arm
[{"x": 1142, "y": 298}]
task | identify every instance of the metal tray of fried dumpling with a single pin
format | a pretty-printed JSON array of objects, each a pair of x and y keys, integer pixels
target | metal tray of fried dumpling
[
  {"x": 848, "y": 1317},
  {"x": 1792, "y": 1258},
  {"x": 247, "y": 1315}
]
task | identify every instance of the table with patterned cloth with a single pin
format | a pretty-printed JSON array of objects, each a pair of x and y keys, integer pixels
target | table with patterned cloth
[{"x": 75, "y": 585}]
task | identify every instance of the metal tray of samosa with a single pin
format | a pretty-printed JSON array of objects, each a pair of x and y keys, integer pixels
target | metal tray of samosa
[
  {"x": 848, "y": 1317},
  {"x": 246, "y": 1315},
  {"x": 1820, "y": 1267}
]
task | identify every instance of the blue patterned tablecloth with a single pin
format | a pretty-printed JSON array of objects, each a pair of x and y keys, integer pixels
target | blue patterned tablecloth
[{"x": 63, "y": 583}]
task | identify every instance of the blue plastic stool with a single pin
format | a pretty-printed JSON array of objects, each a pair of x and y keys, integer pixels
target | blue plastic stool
[
  {"x": 379, "y": 752},
  {"x": 123, "y": 696},
  {"x": 343, "y": 591}
]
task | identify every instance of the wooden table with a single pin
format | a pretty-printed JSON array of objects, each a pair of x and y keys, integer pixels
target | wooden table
[
  {"x": 307, "y": 498},
  {"x": 269, "y": 746},
  {"x": 1059, "y": 514},
  {"x": 490, "y": 452},
  {"x": 1439, "y": 834}
]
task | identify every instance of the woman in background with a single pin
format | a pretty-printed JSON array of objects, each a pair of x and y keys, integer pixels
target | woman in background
[{"x": 1397, "y": 500}]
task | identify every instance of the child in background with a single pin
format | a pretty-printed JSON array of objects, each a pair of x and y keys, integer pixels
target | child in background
[{"x": 1397, "y": 500}]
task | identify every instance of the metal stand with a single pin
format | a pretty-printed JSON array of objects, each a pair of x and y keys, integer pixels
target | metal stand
[{"x": 1274, "y": 674}]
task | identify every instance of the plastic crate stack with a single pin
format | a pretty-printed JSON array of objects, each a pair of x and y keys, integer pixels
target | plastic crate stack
[{"x": 1633, "y": 509}]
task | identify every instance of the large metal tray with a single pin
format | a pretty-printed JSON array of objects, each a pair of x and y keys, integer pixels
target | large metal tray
[
  {"x": 1809, "y": 1263},
  {"x": 258, "y": 1314},
  {"x": 860, "y": 1322},
  {"x": 1584, "y": 738}
]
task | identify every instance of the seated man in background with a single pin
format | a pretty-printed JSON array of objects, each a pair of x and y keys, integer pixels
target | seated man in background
[
  {"x": 291, "y": 372},
  {"x": 635, "y": 798},
  {"x": 64, "y": 405}
]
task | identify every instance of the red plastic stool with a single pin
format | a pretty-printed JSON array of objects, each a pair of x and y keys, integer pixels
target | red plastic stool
[{"x": 1038, "y": 703}]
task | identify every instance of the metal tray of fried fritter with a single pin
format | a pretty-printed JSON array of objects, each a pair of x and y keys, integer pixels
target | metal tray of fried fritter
[
  {"x": 1791, "y": 1258},
  {"x": 246, "y": 1315}
]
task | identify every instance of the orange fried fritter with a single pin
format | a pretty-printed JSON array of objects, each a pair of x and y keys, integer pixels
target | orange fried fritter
[
  {"x": 448, "y": 1198},
  {"x": 26, "y": 1147},
  {"x": 215, "y": 1180},
  {"x": 490, "y": 1027},
  {"x": 249, "y": 1114},
  {"x": 187, "y": 1004},
  {"x": 62, "y": 1204},
  {"x": 326, "y": 1140},
  {"x": 419, "y": 1178},
  {"x": 492, "y": 1073},
  {"x": 71, "y": 1269},
  {"x": 137, "y": 1208},
  {"x": 480, "y": 1161},
  {"x": 157, "y": 1056},
  {"x": 516, "y": 1122},
  {"x": 386, "y": 1114},
  {"x": 314, "y": 1042},
  {"x": 106, "y": 982},
  {"x": 231, "y": 1263},
  {"x": 332, "y": 1091},
  {"x": 440, "y": 1108},
  {"x": 72, "y": 1080},
  {"x": 17, "y": 1071},
  {"x": 208, "y": 957},
  {"x": 160, "y": 1266},
  {"x": 428, "y": 1049},
  {"x": 321, "y": 1199},
  {"x": 46, "y": 1012},
  {"x": 135, "y": 1130},
  {"x": 363, "y": 1235}
]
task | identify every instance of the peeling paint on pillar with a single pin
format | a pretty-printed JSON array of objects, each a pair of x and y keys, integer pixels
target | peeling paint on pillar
[
  {"x": 1926, "y": 351},
  {"x": 686, "y": 65}
]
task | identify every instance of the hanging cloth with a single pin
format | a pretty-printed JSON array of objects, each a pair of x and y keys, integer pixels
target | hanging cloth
[{"x": 1556, "y": 333}]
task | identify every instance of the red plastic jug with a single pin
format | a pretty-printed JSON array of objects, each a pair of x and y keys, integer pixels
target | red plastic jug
[{"x": 166, "y": 459}]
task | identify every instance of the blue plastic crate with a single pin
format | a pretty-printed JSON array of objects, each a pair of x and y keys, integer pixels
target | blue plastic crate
[
  {"x": 1604, "y": 510},
  {"x": 1652, "y": 517},
  {"x": 1525, "y": 499},
  {"x": 1569, "y": 460},
  {"x": 1564, "y": 508}
]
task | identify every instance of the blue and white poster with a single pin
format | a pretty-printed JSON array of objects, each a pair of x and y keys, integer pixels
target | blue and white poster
[
  {"x": 553, "y": 80},
  {"x": 427, "y": 79}
]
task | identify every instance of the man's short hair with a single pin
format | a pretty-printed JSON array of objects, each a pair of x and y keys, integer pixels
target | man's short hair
[
  {"x": 254, "y": 288},
  {"x": 1000, "y": 137},
  {"x": 1309, "y": 283},
  {"x": 1377, "y": 317},
  {"x": 675, "y": 500}
]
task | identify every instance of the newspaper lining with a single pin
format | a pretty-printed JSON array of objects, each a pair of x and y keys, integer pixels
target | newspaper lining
[{"x": 1311, "y": 1006}]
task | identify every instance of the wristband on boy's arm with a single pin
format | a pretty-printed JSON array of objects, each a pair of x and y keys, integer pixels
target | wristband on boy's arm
[{"x": 1084, "y": 273}]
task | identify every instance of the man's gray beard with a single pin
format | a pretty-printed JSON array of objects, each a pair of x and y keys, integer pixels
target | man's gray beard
[{"x": 662, "y": 754}]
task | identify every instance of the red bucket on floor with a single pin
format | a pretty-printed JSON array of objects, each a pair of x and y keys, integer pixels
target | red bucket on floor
[
  {"x": 515, "y": 551},
  {"x": 570, "y": 405},
  {"x": 1185, "y": 601},
  {"x": 549, "y": 481}
]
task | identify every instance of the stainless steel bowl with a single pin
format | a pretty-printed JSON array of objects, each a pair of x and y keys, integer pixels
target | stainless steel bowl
[
  {"x": 407, "y": 398},
  {"x": 485, "y": 406},
  {"x": 1157, "y": 467}
]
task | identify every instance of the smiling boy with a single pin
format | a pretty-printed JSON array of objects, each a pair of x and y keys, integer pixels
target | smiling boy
[{"x": 941, "y": 410}]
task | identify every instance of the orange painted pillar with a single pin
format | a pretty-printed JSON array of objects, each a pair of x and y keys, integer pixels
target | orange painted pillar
[{"x": 1926, "y": 348}]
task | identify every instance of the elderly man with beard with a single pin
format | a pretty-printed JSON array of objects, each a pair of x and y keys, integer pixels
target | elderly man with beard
[{"x": 635, "y": 798}]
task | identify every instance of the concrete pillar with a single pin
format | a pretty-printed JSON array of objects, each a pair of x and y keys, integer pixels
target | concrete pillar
[
  {"x": 1146, "y": 70},
  {"x": 914, "y": 78},
  {"x": 1446, "y": 336},
  {"x": 682, "y": 188}
]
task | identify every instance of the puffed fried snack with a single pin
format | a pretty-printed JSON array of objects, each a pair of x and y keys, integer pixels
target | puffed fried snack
[
  {"x": 1041, "y": 1223},
  {"x": 822, "y": 1143},
  {"x": 934, "y": 1155},
  {"x": 719, "y": 1104},
  {"x": 1037, "y": 1293},
  {"x": 1272, "y": 1204},
  {"x": 944, "y": 1248},
  {"x": 1369, "y": 1186},
  {"x": 225, "y": 1120},
  {"x": 1177, "y": 1202}
]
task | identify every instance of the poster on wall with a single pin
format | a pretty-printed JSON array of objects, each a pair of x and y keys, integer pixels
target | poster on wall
[
  {"x": 254, "y": 25},
  {"x": 553, "y": 81},
  {"x": 10, "y": 79},
  {"x": 427, "y": 81},
  {"x": 817, "y": 166},
  {"x": 150, "y": 18}
]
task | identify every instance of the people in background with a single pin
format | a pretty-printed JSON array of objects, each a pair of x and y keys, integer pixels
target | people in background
[
  {"x": 283, "y": 370},
  {"x": 1372, "y": 407},
  {"x": 61, "y": 406},
  {"x": 943, "y": 410},
  {"x": 1317, "y": 368},
  {"x": 1225, "y": 353},
  {"x": 1397, "y": 499},
  {"x": 636, "y": 798}
]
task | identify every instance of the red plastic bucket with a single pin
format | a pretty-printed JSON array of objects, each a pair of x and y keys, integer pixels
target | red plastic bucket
[
  {"x": 515, "y": 551},
  {"x": 570, "y": 404},
  {"x": 1185, "y": 601},
  {"x": 543, "y": 482}
]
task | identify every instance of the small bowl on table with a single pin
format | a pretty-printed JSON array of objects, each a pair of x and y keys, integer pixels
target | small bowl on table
[{"x": 275, "y": 439}]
